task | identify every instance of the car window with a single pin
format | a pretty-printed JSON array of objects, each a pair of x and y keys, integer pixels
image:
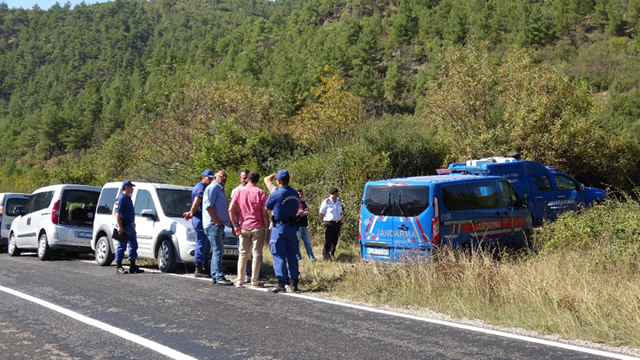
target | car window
[
  {"x": 413, "y": 200},
  {"x": 377, "y": 199},
  {"x": 143, "y": 202},
  {"x": 486, "y": 195},
  {"x": 45, "y": 200},
  {"x": 565, "y": 184},
  {"x": 174, "y": 202},
  {"x": 29, "y": 206},
  {"x": 13, "y": 203},
  {"x": 107, "y": 200},
  {"x": 457, "y": 197},
  {"x": 542, "y": 183},
  {"x": 508, "y": 194},
  {"x": 78, "y": 207}
]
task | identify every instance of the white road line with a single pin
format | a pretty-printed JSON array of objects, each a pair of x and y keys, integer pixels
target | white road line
[
  {"x": 100, "y": 325},
  {"x": 445, "y": 323}
]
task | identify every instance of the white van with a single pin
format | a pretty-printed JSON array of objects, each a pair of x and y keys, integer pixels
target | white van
[
  {"x": 162, "y": 233},
  {"x": 8, "y": 204},
  {"x": 55, "y": 217}
]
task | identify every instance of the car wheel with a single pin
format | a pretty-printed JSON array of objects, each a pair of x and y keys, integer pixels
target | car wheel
[
  {"x": 12, "y": 248},
  {"x": 104, "y": 256},
  {"x": 44, "y": 251},
  {"x": 166, "y": 256}
]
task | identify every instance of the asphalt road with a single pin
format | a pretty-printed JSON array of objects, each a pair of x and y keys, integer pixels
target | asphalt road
[{"x": 205, "y": 321}]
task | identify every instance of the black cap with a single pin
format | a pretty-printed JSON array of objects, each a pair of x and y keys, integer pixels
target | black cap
[{"x": 333, "y": 191}]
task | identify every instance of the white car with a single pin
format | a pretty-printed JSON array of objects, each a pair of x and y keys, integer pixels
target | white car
[
  {"x": 55, "y": 217},
  {"x": 8, "y": 204},
  {"x": 162, "y": 232}
]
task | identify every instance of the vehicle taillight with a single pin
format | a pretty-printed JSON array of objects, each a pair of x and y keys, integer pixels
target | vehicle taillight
[
  {"x": 435, "y": 222},
  {"x": 0, "y": 212},
  {"x": 55, "y": 214},
  {"x": 360, "y": 226}
]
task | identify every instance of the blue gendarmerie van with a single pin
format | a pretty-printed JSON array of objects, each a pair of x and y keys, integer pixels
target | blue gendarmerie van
[
  {"x": 408, "y": 217},
  {"x": 550, "y": 192}
]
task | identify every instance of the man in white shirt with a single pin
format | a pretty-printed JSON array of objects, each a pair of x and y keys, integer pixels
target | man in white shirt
[{"x": 331, "y": 213}]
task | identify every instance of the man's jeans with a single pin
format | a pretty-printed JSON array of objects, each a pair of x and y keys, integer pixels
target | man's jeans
[
  {"x": 303, "y": 233},
  {"x": 216, "y": 236}
]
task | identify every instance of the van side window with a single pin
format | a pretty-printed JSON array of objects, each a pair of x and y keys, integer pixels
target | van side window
[
  {"x": 143, "y": 202},
  {"x": 508, "y": 194},
  {"x": 413, "y": 200},
  {"x": 565, "y": 184},
  {"x": 486, "y": 195},
  {"x": 457, "y": 197},
  {"x": 542, "y": 183},
  {"x": 31, "y": 204},
  {"x": 378, "y": 199},
  {"x": 107, "y": 199}
]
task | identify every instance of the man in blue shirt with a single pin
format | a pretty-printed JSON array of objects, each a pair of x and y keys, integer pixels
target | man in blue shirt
[
  {"x": 215, "y": 218},
  {"x": 203, "y": 246},
  {"x": 284, "y": 240},
  {"x": 125, "y": 220}
]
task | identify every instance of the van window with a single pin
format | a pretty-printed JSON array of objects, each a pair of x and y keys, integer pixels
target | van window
[
  {"x": 78, "y": 207},
  {"x": 38, "y": 202},
  {"x": 486, "y": 195},
  {"x": 13, "y": 203},
  {"x": 565, "y": 184},
  {"x": 457, "y": 197},
  {"x": 174, "y": 202},
  {"x": 378, "y": 199},
  {"x": 542, "y": 183},
  {"x": 413, "y": 200},
  {"x": 508, "y": 194},
  {"x": 143, "y": 202},
  {"x": 107, "y": 200}
]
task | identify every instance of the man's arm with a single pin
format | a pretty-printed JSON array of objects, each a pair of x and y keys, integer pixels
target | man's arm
[
  {"x": 210, "y": 196},
  {"x": 233, "y": 214},
  {"x": 119, "y": 222},
  {"x": 194, "y": 209},
  {"x": 323, "y": 208}
]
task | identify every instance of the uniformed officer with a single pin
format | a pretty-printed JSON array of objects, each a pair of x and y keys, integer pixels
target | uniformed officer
[
  {"x": 125, "y": 217},
  {"x": 284, "y": 241},
  {"x": 203, "y": 246}
]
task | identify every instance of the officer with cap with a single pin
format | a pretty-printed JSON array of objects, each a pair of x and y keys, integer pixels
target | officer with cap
[
  {"x": 125, "y": 217},
  {"x": 284, "y": 239},
  {"x": 203, "y": 246}
]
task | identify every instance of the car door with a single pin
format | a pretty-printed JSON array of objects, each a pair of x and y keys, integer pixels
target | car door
[
  {"x": 19, "y": 225},
  {"x": 517, "y": 215},
  {"x": 545, "y": 197},
  {"x": 10, "y": 204},
  {"x": 376, "y": 225},
  {"x": 39, "y": 217},
  {"x": 145, "y": 226},
  {"x": 568, "y": 190}
]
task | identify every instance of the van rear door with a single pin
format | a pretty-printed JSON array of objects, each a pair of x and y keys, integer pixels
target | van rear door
[
  {"x": 377, "y": 225},
  {"x": 393, "y": 224}
]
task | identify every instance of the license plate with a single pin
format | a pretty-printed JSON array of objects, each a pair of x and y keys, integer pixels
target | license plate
[
  {"x": 83, "y": 234},
  {"x": 8, "y": 226},
  {"x": 231, "y": 252},
  {"x": 378, "y": 251}
]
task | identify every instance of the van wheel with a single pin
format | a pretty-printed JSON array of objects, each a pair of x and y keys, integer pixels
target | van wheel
[
  {"x": 44, "y": 251},
  {"x": 12, "y": 248},
  {"x": 166, "y": 256},
  {"x": 104, "y": 256}
]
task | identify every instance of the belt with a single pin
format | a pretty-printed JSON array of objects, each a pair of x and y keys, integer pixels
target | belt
[{"x": 333, "y": 221}]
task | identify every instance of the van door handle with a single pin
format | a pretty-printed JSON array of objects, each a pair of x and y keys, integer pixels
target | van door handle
[
  {"x": 562, "y": 196},
  {"x": 538, "y": 197},
  {"x": 504, "y": 213}
]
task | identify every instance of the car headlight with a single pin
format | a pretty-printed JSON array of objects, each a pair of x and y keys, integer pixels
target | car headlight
[{"x": 191, "y": 235}]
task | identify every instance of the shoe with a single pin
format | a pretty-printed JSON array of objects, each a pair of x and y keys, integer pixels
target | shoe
[
  {"x": 213, "y": 280},
  {"x": 239, "y": 286},
  {"x": 134, "y": 269},
  {"x": 247, "y": 280},
  {"x": 313, "y": 259},
  {"x": 263, "y": 278},
  {"x": 294, "y": 285},
  {"x": 224, "y": 282},
  {"x": 258, "y": 285},
  {"x": 278, "y": 288},
  {"x": 200, "y": 272},
  {"x": 120, "y": 270}
]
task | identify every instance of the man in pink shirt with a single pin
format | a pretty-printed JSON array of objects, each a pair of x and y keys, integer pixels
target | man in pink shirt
[{"x": 250, "y": 223}]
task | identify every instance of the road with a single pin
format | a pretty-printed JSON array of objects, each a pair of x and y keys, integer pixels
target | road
[{"x": 196, "y": 319}]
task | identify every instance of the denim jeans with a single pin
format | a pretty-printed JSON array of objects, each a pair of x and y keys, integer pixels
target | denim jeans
[
  {"x": 133, "y": 245},
  {"x": 303, "y": 233},
  {"x": 216, "y": 236}
]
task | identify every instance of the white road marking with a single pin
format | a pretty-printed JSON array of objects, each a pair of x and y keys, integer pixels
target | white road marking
[
  {"x": 100, "y": 325},
  {"x": 441, "y": 322}
]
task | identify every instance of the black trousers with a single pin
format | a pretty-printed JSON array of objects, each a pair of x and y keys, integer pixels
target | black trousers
[{"x": 331, "y": 234}]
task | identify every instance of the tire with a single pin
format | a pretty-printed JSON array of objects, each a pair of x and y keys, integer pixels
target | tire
[
  {"x": 103, "y": 254},
  {"x": 44, "y": 251},
  {"x": 166, "y": 256},
  {"x": 12, "y": 247}
]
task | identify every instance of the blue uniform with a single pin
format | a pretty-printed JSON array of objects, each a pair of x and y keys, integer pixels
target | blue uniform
[
  {"x": 203, "y": 246},
  {"x": 124, "y": 206},
  {"x": 284, "y": 239}
]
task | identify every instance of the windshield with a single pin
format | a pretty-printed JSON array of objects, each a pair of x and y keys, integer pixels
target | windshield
[{"x": 174, "y": 202}]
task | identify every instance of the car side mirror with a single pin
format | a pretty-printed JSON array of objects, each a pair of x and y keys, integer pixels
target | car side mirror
[
  {"x": 525, "y": 200},
  {"x": 148, "y": 213},
  {"x": 17, "y": 211},
  {"x": 581, "y": 187}
]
